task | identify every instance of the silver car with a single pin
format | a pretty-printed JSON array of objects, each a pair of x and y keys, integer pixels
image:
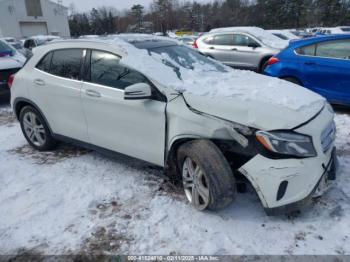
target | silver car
[{"x": 241, "y": 47}]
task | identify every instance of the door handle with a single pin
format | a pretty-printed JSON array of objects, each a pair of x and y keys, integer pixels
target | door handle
[
  {"x": 310, "y": 63},
  {"x": 211, "y": 47},
  {"x": 234, "y": 49},
  {"x": 92, "y": 93},
  {"x": 39, "y": 82}
]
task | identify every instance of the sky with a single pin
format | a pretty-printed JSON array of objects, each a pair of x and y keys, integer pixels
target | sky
[{"x": 86, "y": 5}]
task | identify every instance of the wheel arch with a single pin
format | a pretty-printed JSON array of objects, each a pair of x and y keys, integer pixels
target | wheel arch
[
  {"x": 292, "y": 76},
  {"x": 263, "y": 60},
  {"x": 171, "y": 167},
  {"x": 20, "y": 102}
]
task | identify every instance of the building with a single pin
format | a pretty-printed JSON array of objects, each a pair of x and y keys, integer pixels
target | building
[{"x": 25, "y": 18}]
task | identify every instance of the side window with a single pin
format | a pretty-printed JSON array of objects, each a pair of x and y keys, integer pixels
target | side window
[
  {"x": 307, "y": 50},
  {"x": 334, "y": 49},
  {"x": 223, "y": 39},
  {"x": 66, "y": 63},
  {"x": 243, "y": 40},
  {"x": 45, "y": 62},
  {"x": 106, "y": 70}
]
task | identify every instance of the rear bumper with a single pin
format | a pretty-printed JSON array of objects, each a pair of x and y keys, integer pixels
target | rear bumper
[
  {"x": 4, "y": 90},
  {"x": 4, "y": 75}
]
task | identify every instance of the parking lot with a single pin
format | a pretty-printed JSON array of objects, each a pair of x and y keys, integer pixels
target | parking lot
[{"x": 75, "y": 201}]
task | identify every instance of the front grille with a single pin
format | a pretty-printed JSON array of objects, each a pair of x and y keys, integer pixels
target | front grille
[{"x": 328, "y": 136}]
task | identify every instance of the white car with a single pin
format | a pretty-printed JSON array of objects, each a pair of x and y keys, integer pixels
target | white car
[
  {"x": 39, "y": 40},
  {"x": 187, "y": 40},
  {"x": 241, "y": 47},
  {"x": 10, "y": 62},
  {"x": 88, "y": 36},
  {"x": 284, "y": 34},
  {"x": 335, "y": 30},
  {"x": 208, "y": 125}
]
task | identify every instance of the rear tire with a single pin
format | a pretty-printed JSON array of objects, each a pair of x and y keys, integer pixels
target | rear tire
[
  {"x": 211, "y": 175},
  {"x": 292, "y": 80},
  {"x": 35, "y": 129},
  {"x": 263, "y": 65}
]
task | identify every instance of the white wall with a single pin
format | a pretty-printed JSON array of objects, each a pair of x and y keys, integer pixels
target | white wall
[{"x": 12, "y": 12}]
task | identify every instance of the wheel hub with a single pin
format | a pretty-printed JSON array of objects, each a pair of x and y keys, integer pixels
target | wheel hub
[
  {"x": 34, "y": 129},
  {"x": 195, "y": 184}
]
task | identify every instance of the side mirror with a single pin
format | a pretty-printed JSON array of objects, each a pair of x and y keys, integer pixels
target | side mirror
[
  {"x": 138, "y": 91},
  {"x": 253, "y": 45}
]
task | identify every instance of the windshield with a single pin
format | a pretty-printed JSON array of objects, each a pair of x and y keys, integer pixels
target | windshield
[{"x": 178, "y": 57}]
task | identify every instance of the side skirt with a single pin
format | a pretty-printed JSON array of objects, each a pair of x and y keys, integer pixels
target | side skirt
[{"x": 103, "y": 151}]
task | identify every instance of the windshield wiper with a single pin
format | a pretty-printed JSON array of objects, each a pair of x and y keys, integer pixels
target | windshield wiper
[{"x": 174, "y": 67}]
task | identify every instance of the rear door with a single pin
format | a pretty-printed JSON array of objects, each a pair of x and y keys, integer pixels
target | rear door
[
  {"x": 56, "y": 90},
  {"x": 327, "y": 72},
  {"x": 245, "y": 51},
  {"x": 132, "y": 127},
  {"x": 334, "y": 66},
  {"x": 220, "y": 47}
]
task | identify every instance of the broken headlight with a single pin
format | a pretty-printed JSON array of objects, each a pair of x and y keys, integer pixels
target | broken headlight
[{"x": 287, "y": 143}]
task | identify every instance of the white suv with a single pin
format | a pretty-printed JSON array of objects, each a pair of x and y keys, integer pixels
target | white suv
[{"x": 208, "y": 125}]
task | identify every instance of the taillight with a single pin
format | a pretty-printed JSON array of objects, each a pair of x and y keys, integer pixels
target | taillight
[
  {"x": 195, "y": 45},
  {"x": 10, "y": 80},
  {"x": 273, "y": 60}
]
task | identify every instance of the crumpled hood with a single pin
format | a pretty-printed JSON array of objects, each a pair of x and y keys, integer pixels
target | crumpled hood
[
  {"x": 257, "y": 101},
  {"x": 240, "y": 96}
]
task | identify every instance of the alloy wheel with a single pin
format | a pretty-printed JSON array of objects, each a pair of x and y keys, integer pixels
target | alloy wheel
[
  {"x": 195, "y": 184},
  {"x": 34, "y": 129}
]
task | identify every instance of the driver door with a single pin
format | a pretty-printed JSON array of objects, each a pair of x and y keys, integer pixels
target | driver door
[{"x": 131, "y": 127}]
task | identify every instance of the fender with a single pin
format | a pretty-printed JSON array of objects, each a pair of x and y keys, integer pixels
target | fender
[{"x": 31, "y": 103}]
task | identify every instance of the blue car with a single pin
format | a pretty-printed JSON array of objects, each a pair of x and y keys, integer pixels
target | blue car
[{"x": 321, "y": 64}]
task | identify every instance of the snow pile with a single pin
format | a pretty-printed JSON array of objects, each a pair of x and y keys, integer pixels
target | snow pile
[
  {"x": 264, "y": 36},
  {"x": 90, "y": 203}
]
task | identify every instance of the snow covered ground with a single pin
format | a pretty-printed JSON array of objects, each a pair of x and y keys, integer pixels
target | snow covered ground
[{"x": 73, "y": 201}]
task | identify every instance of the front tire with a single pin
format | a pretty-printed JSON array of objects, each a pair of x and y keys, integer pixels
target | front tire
[
  {"x": 206, "y": 175},
  {"x": 35, "y": 129}
]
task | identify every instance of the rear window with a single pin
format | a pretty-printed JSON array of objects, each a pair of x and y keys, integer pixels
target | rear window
[
  {"x": 209, "y": 40},
  {"x": 309, "y": 50},
  {"x": 45, "y": 62},
  {"x": 66, "y": 63}
]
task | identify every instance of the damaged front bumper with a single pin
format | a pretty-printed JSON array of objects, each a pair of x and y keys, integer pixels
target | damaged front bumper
[
  {"x": 320, "y": 188},
  {"x": 285, "y": 185}
]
